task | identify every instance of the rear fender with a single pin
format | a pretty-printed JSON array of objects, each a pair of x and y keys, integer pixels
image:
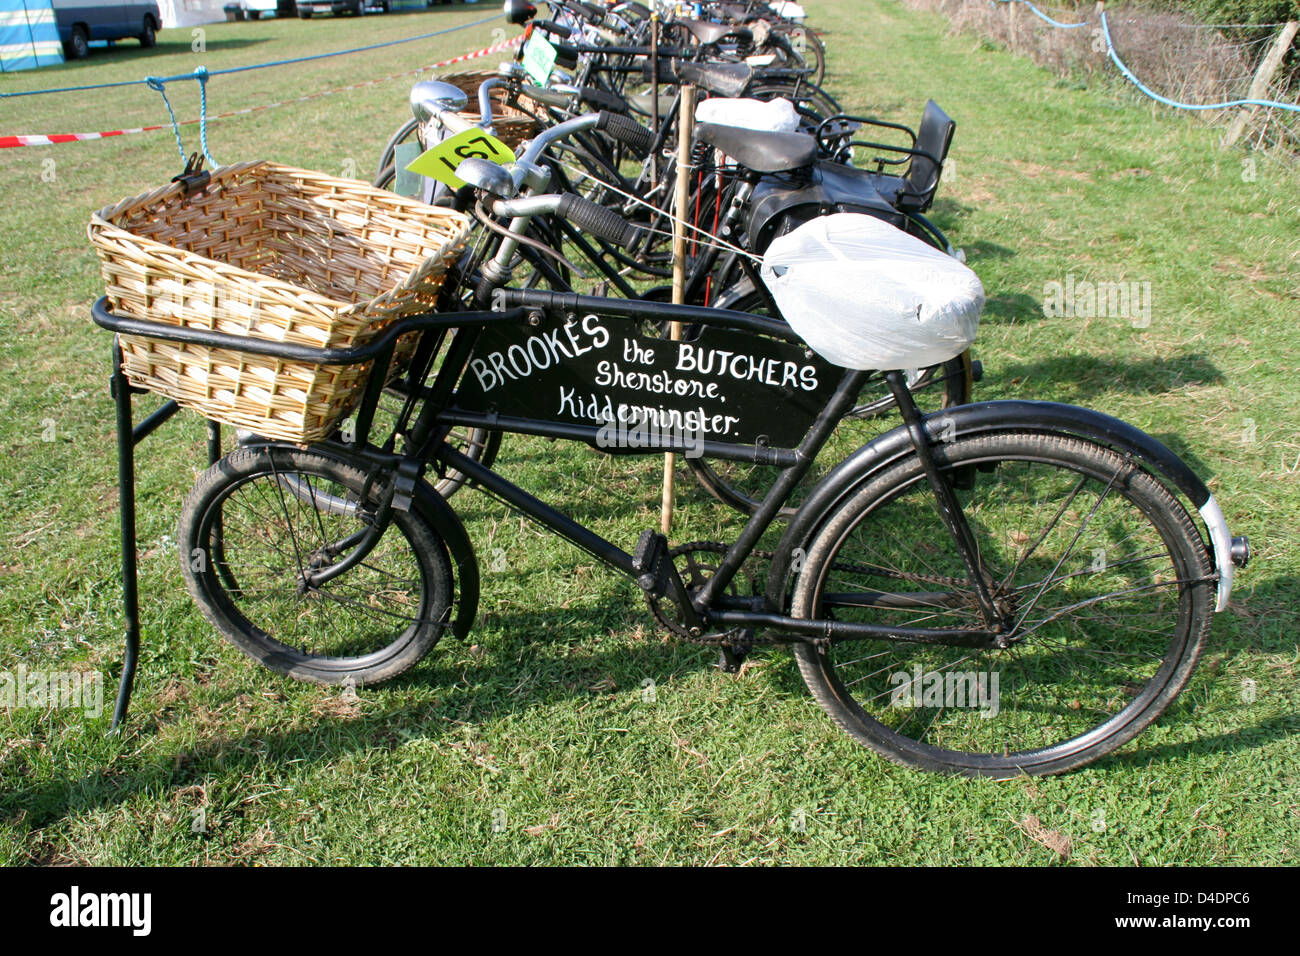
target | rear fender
[{"x": 983, "y": 417}]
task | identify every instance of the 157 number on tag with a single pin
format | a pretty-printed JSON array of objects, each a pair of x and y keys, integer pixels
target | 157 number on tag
[{"x": 440, "y": 160}]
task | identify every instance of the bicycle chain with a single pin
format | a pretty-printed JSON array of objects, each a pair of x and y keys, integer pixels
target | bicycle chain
[
  {"x": 874, "y": 571},
  {"x": 744, "y": 638}
]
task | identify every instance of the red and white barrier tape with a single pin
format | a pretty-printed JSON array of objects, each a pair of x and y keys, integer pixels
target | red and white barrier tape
[{"x": 50, "y": 138}]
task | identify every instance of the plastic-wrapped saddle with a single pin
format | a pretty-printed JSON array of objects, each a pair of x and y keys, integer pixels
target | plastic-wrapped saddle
[
  {"x": 776, "y": 115},
  {"x": 866, "y": 295}
]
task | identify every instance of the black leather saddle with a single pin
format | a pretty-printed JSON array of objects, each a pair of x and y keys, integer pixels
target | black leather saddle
[
  {"x": 721, "y": 79},
  {"x": 763, "y": 152},
  {"x": 707, "y": 33}
]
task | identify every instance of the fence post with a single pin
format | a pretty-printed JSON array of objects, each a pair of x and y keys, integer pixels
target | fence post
[
  {"x": 1263, "y": 77},
  {"x": 1011, "y": 22}
]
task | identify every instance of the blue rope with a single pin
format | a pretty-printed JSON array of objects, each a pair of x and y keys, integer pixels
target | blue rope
[
  {"x": 1045, "y": 18},
  {"x": 1128, "y": 74},
  {"x": 201, "y": 74},
  {"x": 160, "y": 84},
  {"x": 255, "y": 66},
  {"x": 154, "y": 83}
]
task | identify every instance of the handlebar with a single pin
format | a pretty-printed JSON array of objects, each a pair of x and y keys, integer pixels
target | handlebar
[{"x": 586, "y": 215}]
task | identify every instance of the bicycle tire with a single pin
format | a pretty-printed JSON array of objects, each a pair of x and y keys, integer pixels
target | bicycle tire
[
  {"x": 390, "y": 148},
  {"x": 1081, "y": 687},
  {"x": 391, "y": 608}
]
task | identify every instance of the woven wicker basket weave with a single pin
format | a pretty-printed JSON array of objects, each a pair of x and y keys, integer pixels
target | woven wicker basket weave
[
  {"x": 512, "y": 125},
  {"x": 274, "y": 253}
]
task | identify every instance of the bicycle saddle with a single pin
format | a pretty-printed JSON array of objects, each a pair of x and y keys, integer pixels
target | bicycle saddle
[
  {"x": 645, "y": 103},
  {"x": 707, "y": 33},
  {"x": 724, "y": 79},
  {"x": 734, "y": 11},
  {"x": 763, "y": 152}
]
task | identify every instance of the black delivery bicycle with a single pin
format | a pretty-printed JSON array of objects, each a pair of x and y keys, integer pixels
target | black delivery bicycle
[{"x": 994, "y": 589}]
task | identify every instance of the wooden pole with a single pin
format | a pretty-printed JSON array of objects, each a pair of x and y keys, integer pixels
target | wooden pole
[
  {"x": 685, "y": 127},
  {"x": 1263, "y": 77},
  {"x": 1011, "y": 22}
]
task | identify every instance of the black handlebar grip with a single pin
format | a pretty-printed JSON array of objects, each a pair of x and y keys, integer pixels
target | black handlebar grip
[
  {"x": 603, "y": 99},
  {"x": 552, "y": 27},
  {"x": 628, "y": 132},
  {"x": 566, "y": 57},
  {"x": 594, "y": 14},
  {"x": 596, "y": 219}
]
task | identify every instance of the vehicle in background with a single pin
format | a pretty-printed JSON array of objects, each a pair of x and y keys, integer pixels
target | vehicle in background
[
  {"x": 80, "y": 22},
  {"x": 256, "y": 9},
  {"x": 355, "y": 7}
]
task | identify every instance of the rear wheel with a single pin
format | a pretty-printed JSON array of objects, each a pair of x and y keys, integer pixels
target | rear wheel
[
  {"x": 148, "y": 35},
  {"x": 79, "y": 43},
  {"x": 1100, "y": 568},
  {"x": 259, "y": 522}
]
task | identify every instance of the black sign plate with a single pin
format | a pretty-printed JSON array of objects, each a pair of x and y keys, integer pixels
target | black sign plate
[{"x": 726, "y": 385}]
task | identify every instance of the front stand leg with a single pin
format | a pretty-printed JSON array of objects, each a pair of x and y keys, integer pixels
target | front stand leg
[{"x": 121, "y": 391}]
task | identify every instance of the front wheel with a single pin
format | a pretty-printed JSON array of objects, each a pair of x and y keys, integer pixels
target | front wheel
[
  {"x": 259, "y": 522},
  {"x": 1099, "y": 568}
]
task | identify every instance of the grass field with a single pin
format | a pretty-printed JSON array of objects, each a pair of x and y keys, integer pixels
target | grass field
[{"x": 539, "y": 743}]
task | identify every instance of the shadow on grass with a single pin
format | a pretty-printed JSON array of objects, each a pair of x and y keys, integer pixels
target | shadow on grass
[
  {"x": 1077, "y": 378},
  {"x": 524, "y": 679},
  {"x": 128, "y": 51},
  {"x": 1011, "y": 307}
]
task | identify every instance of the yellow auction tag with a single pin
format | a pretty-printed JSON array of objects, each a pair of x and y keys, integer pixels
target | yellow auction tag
[{"x": 440, "y": 161}]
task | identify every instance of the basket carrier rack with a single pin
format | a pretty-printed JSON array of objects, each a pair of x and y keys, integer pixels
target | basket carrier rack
[{"x": 129, "y": 434}]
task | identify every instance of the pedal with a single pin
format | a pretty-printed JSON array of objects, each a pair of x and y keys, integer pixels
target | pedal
[
  {"x": 730, "y": 660},
  {"x": 649, "y": 560},
  {"x": 657, "y": 576}
]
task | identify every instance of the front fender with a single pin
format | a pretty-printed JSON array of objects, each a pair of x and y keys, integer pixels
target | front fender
[
  {"x": 448, "y": 524},
  {"x": 1020, "y": 415}
]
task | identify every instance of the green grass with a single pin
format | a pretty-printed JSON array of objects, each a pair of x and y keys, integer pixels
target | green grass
[{"x": 539, "y": 743}]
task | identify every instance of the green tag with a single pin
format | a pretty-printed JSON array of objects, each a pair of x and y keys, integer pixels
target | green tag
[
  {"x": 539, "y": 58},
  {"x": 406, "y": 183},
  {"x": 440, "y": 161}
]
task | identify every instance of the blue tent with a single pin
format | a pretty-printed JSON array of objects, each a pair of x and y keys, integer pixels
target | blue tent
[{"x": 28, "y": 36}]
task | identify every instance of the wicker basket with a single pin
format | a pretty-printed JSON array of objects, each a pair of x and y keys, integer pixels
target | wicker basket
[
  {"x": 275, "y": 253},
  {"x": 512, "y": 125}
]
